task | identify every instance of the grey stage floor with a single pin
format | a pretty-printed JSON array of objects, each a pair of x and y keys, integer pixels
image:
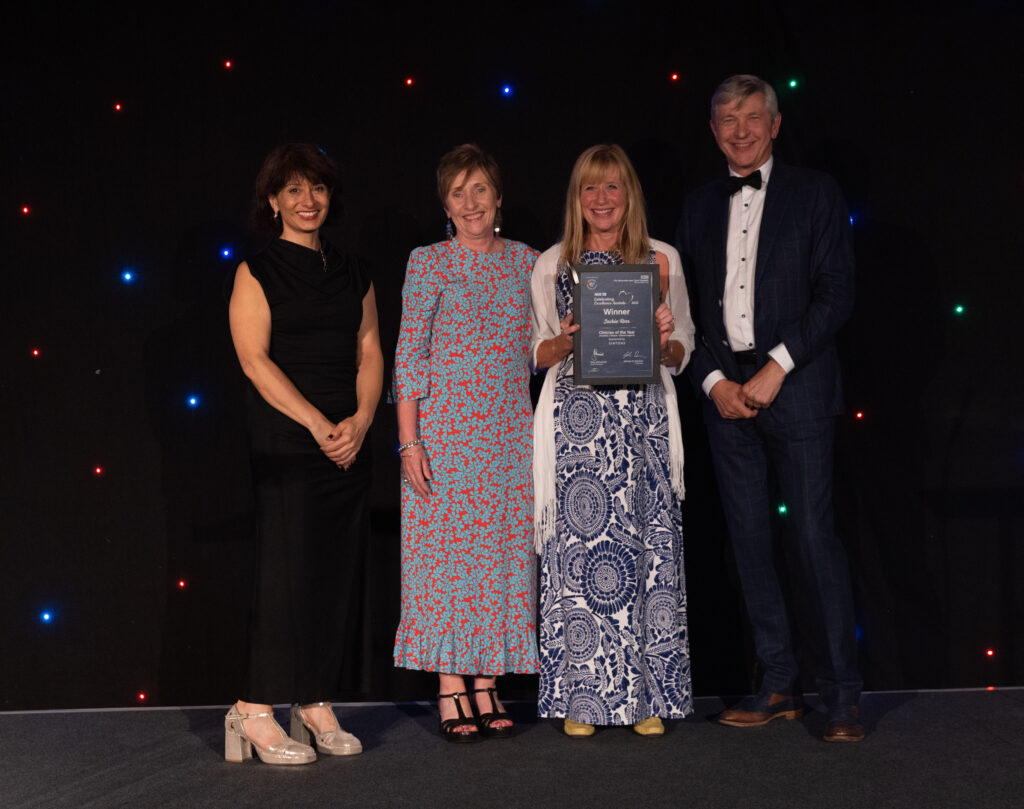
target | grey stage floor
[{"x": 924, "y": 749}]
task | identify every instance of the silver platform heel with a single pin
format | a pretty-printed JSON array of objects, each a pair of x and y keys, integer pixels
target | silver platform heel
[
  {"x": 238, "y": 746},
  {"x": 337, "y": 742}
]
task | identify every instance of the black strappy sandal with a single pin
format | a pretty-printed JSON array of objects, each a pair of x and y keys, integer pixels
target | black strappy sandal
[
  {"x": 447, "y": 726},
  {"x": 486, "y": 720}
]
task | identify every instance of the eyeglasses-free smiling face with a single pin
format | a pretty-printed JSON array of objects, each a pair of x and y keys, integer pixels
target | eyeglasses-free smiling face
[
  {"x": 603, "y": 202},
  {"x": 472, "y": 205},
  {"x": 302, "y": 205},
  {"x": 744, "y": 131}
]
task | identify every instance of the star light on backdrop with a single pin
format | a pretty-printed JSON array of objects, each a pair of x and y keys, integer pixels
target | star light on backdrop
[{"x": 193, "y": 401}]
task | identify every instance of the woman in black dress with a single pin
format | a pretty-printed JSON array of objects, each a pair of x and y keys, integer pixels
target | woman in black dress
[{"x": 304, "y": 325}]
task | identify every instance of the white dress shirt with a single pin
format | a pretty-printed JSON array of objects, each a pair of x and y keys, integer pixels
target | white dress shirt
[{"x": 745, "y": 209}]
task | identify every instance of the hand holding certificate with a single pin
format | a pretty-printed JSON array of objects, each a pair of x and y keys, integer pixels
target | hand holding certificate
[{"x": 618, "y": 342}]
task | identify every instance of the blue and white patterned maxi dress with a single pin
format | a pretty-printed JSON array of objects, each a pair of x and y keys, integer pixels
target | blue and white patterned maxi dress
[{"x": 613, "y": 639}]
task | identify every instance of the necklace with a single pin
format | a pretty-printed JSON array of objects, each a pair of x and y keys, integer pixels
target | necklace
[{"x": 323, "y": 257}]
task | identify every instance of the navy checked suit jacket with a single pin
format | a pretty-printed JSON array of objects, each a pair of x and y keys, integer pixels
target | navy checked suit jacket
[{"x": 803, "y": 286}]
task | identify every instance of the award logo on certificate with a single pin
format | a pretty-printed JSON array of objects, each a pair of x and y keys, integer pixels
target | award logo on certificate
[{"x": 617, "y": 342}]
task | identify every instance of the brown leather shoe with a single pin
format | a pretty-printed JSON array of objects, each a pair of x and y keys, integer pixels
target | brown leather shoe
[
  {"x": 760, "y": 710},
  {"x": 844, "y": 725}
]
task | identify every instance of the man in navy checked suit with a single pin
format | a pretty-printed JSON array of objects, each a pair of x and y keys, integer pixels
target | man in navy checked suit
[{"x": 769, "y": 253}]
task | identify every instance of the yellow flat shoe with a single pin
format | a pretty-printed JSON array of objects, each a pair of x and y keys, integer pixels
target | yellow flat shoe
[
  {"x": 651, "y": 726},
  {"x": 577, "y": 728}
]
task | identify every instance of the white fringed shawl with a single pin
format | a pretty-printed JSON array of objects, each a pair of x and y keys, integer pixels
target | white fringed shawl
[{"x": 545, "y": 325}]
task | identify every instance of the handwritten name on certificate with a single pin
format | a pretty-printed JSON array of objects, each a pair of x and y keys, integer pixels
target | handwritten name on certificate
[{"x": 617, "y": 342}]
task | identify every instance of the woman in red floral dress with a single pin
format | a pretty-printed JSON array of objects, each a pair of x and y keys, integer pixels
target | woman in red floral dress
[{"x": 464, "y": 426}]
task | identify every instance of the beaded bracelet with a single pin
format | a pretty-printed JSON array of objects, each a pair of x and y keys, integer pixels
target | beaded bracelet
[{"x": 416, "y": 442}]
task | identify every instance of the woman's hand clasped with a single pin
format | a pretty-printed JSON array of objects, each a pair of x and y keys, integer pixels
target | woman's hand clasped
[
  {"x": 341, "y": 442},
  {"x": 416, "y": 470}
]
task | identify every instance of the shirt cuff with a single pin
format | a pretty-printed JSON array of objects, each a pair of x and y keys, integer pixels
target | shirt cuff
[
  {"x": 710, "y": 381},
  {"x": 781, "y": 356}
]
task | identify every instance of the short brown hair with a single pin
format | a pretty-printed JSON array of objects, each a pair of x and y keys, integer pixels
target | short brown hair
[
  {"x": 279, "y": 167},
  {"x": 466, "y": 158}
]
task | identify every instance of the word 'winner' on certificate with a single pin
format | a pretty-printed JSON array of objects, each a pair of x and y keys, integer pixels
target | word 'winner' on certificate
[{"x": 617, "y": 342}]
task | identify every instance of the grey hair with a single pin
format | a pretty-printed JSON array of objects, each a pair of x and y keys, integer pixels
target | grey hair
[{"x": 740, "y": 88}]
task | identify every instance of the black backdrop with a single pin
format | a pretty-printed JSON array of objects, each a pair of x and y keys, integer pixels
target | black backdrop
[{"x": 917, "y": 114}]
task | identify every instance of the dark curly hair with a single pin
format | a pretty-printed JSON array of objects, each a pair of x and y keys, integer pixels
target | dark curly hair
[{"x": 281, "y": 165}]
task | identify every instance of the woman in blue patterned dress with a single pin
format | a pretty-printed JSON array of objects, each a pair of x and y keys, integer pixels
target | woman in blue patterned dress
[
  {"x": 608, "y": 477},
  {"x": 462, "y": 388}
]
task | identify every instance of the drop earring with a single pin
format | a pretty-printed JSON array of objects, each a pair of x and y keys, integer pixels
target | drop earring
[
  {"x": 449, "y": 230},
  {"x": 497, "y": 222}
]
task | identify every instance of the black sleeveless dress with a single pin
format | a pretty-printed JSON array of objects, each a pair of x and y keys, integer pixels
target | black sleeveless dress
[{"x": 312, "y": 516}]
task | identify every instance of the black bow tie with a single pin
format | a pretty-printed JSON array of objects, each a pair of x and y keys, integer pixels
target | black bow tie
[{"x": 734, "y": 184}]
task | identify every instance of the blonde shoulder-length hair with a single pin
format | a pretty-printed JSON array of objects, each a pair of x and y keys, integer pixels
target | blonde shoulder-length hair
[{"x": 634, "y": 244}]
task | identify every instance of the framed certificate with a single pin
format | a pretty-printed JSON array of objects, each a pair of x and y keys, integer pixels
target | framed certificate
[{"x": 617, "y": 342}]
